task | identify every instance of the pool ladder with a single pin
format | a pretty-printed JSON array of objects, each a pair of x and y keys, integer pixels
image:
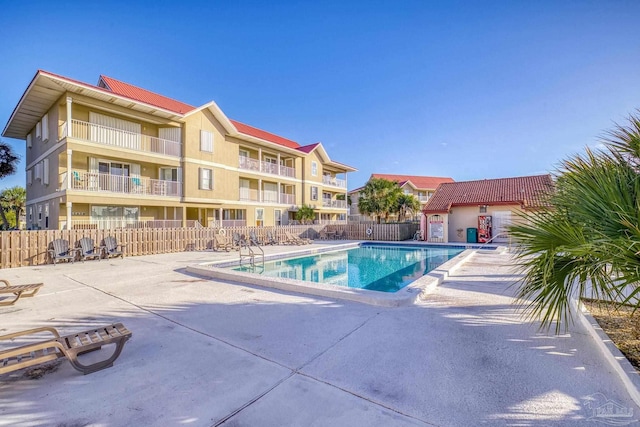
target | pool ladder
[{"x": 246, "y": 252}]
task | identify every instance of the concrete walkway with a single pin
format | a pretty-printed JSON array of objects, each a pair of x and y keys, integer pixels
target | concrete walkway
[{"x": 207, "y": 353}]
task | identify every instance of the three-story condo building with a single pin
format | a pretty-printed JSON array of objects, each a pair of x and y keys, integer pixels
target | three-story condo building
[{"x": 116, "y": 155}]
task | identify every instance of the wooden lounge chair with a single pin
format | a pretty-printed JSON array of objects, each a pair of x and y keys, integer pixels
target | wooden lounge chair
[
  {"x": 222, "y": 242},
  {"x": 18, "y": 291},
  {"x": 69, "y": 346},
  {"x": 110, "y": 248},
  {"x": 59, "y": 250},
  {"x": 87, "y": 249},
  {"x": 295, "y": 240}
]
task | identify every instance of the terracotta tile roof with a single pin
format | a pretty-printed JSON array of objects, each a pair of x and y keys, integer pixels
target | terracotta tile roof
[
  {"x": 267, "y": 136},
  {"x": 143, "y": 95},
  {"x": 421, "y": 182},
  {"x": 526, "y": 191}
]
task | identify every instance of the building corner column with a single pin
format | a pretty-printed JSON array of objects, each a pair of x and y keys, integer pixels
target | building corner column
[
  {"x": 69, "y": 127},
  {"x": 69, "y": 215},
  {"x": 69, "y": 165}
]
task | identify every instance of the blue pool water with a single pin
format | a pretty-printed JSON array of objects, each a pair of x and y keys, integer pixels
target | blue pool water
[{"x": 376, "y": 267}]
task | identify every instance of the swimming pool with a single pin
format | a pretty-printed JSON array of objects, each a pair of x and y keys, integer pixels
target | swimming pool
[{"x": 371, "y": 266}]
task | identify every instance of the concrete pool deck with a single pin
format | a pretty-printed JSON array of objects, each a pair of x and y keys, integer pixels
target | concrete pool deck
[{"x": 207, "y": 353}]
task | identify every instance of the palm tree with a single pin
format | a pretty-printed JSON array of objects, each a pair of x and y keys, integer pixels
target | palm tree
[
  {"x": 8, "y": 165},
  {"x": 406, "y": 204},
  {"x": 13, "y": 199},
  {"x": 587, "y": 241},
  {"x": 378, "y": 197},
  {"x": 305, "y": 214}
]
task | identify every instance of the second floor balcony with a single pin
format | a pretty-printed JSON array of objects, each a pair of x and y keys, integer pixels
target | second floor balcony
[
  {"x": 251, "y": 195},
  {"x": 247, "y": 163},
  {"x": 121, "y": 139},
  {"x": 338, "y": 204},
  {"x": 136, "y": 186},
  {"x": 333, "y": 181}
]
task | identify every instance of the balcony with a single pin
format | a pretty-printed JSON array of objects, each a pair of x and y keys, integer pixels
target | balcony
[
  {"x": 247, "y": 163},
  {"x": 423, "y": 199},
  {"x": 249, "y": 195},
  {"x": 114, "y": 223},
  {"x": 338, "y": 204},
  {"x": 139, "y": 186},
  {"x": 120, "y": 138},
  {"x": 333, "y": 181},
  {"x": 228, "y": 223}
]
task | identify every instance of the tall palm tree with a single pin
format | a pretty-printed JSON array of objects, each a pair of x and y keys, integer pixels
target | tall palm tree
[
  {"x": 378, "y": 197},
  {"x": 586, "y": 243},
  {"x": 406, "y": 204}
]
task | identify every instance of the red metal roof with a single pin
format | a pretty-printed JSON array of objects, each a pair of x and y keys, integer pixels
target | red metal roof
[
  {"x": 135, "y": 93},
  {"x": 308, "y": 148},
  {"x": 267, "y": 136},
  {"x": 146, "y": 96},
  {"x": 420, "y": 182},
  {"x": 526, "y": 191}
]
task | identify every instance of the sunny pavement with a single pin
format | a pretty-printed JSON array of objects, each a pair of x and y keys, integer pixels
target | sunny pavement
[{"x": 207, "y": 353}]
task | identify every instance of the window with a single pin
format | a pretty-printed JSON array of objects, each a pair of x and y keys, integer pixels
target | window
[
  {"x": 314, "y": 193},
  {"x": 169, "y": 174},
  {"x": 483, "y": 209},
  {"x": 206, "y": 179},
  {"x": 29, "y": 143},
  {"x": 45, "y": 171},
  {"x": 314, "y": 168},
  {"x": 277, "y": 215},
  {"x": 259, "y": 217},
  {"x": 38, "y": 171},
  {"x": 206, "y": 141},
  {"x": 39, "y": 130},
  {"x": 45, "y": 127}
]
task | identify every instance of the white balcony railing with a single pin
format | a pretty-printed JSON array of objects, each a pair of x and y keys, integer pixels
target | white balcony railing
[
  {"x": 228, "y": 223},
  {"x": 250, "y": 195},
  {"x": 93, "y": 181},
  {"x": 247, "y": 163},
  {"x": 121, "y": 138},
  {"x": 112, "y": 223},
  {"x": 287, "y": 199},
  {"x": 423, "y": 199},
  {"x": 332, "y": 180},
  {"x": 339, "y": 204}
]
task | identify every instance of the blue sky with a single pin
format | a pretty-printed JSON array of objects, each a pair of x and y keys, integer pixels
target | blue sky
[{"x": 470, "y": 90}]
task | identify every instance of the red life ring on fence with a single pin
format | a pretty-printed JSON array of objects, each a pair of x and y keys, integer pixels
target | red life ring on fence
[
  {"x": 222, "y": 232},
  {"x": 369, "y": 231}
]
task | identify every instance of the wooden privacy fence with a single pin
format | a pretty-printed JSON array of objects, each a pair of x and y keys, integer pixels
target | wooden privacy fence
[
  {"x": 384, "y": 232},
  {"x": 29, "y": 247}
]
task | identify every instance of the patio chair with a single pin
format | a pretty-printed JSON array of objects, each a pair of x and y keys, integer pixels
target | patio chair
[
  {"x": 238, "y": 240},
  {"x": 69, "y": 346},
  {"x": 322, "y": 235},
  {"x": 253, "y": 239},
  {"x": 271, "y": 240},
  {"x": 88, "y": 250},
  {"x": 344, "y": 235},
  {"x": 18, "y": 291},
  {"x": 222, "y": 242},
  {"x": 110, "y": 247},
  {"x": 59, "y": 250}
]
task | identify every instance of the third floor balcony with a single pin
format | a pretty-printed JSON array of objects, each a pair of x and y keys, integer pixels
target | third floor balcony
[
  {"x": 248, "y": 163},
  {"x": 121, "y": 139}
]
